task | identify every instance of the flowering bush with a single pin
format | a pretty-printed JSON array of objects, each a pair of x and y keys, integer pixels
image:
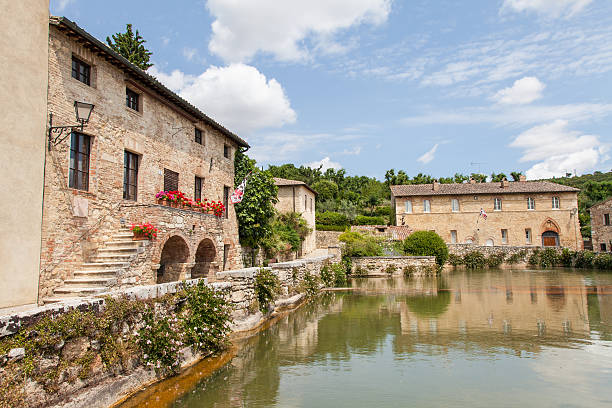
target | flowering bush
[
  {"x": 146, "y": 229},
  {"x": 159, "y": 341},
  {"x": 216, "y": 207}
]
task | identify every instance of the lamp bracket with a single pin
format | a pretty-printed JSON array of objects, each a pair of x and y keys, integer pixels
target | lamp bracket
[{"x": 61, "y": 132}]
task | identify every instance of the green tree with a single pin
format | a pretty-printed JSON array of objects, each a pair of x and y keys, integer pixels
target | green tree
[
  {"x": 516, "y": 175},
  {"x": 327, "y": 189},
  {"x": 131, "y": 46},
  {"x": 256, "y": 211},
  {"x": 496, "y": 178},
  {"x": 426, "y": 243},
  {"x": 480, "y": 178}
]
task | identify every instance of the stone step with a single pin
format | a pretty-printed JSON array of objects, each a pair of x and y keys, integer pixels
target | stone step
[
  {"x": 65, "y": 291},
  {"x": 103, "y": 265},
  {"x": 124, "y": 243},
  {"x": 119, "y": 249},
  {"x": 84, "y": 282},
  {"x": 104, "y": 258},
  {"x": 56, "y": 299},
  {"x": 102, "y": 273},
  {"x": 121, "y": 235}
]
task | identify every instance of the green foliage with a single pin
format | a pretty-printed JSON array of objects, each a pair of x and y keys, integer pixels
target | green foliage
[
  {"x": 288, "y": 232},
  {"x": 584, "y": 259},
  {"x": 358, "y": 245},
  {"x": 332, "y": 218},
  {"x": 390, "y": 269},
  {"x": 474, "y": 260},
  {"x": 267, "y": 287},
  {"x": 338, "y": 228},
  {"x": 359, "y": 271},
  {"x": 327, "y": 276},
  {"x": 603, "y": 261},
  {"x": 339, "y": 272},
  {"x": 160, "y": 341},
  {"x": 131, "y": 47},
  {"x": 495, "y": 260},
  {"x": 426, "y": 243},
  {"x": 534, "y": 258},
  {"x": 566, "y": 258},
  {"x": 326, "y": 189},
  {"x": 455, "y": 260},
  {"x": 549, "y": 258},
  {"x": 310, "y": 285},
  {"x": 516, "y": 175},
  {"x": 516, "y": 257},
  {"x": 409, "y": 271},
  {"x": 496, "y": 178},
  {"x": 256, "y": 211},
  {"x": 365, "y": 220}
]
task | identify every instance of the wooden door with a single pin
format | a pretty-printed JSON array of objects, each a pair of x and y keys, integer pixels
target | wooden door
[{"x": 549, "y": 241}]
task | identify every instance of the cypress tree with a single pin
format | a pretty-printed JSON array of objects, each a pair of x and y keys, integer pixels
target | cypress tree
[{"x": 131, "y": 46}]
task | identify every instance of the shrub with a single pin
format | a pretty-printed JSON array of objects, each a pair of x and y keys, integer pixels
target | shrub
[
  {"x": 495, "y": 260},
  {"x": 267, "y": 286},
  {"x": 327, "y": 276},
  {"x": 358, "y": 245},
  {"x": 409, "y": 271},
  {"x": 426, "y": 243},
  {"x": 603, "y": 261},
  {"x": 534, "y": 258},
  {"x": 455, "y": 260},
  {"x": 160, "y": 342},
  {"x": 332, "y": 218},
  {"x": 584, "y": 259},
  {"x": 310, "y": 284},
  {"x": 365, "y": 220},
  {"x": 339, "y": 273},
  {"x": 548, "y": 258},
  {"x": 390, "y": 269},
  {"x": 474, "y": 260},
  {"x": 516, "y": 257},
  {"x": 567, "y": 257},
  {"x": 339, "y": 228},
  {"x": 359, "y": 271}
]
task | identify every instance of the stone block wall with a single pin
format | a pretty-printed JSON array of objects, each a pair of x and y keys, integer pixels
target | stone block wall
[
  {"x": 325, "y": 239},
  {"x": 601, "y": 233},
  {"x": 394, "y": 265},
  {"x": 464, "y": 249}
]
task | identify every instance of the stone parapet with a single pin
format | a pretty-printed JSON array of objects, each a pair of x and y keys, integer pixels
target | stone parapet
[
  {"x": 394, "y": 265},
  {"x": 325, "y": 239}
]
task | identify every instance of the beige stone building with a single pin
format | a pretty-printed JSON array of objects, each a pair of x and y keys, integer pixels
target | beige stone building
[
  {"x": 601, "y": 226},
  {"x": 141, "y": 138},
  {"x": 23, "y": 101},
  {"x": 297, "y": 196},
  {"x": 522, "y": 213}
]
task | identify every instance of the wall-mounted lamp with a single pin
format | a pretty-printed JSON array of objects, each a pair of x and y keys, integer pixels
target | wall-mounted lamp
[{"x": 83, "y": 112}]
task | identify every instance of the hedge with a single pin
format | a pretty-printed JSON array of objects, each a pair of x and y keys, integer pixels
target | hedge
[
  {"x": 365, "y": 220},
  {"x": 340, "y": 228},
  {"x": 427, "y": 243}
]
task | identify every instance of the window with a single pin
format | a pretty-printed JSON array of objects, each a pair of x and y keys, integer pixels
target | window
[
  {"x": 453, "y": 237},
  {"x": 504, "y": 235},
  {"x": 226, "y": 200},
  {"x": 497, "y": 204},
  {"x": 606, "y": 219},
  {"x": 130, "y": 176},
  {"x": 171, "y": 180},
  {"x": 131, "y": 99},
  {"x": 602, "y": 247},
  {"x": 226, "y": 151},
  {"x": 78, "y": 174},
  {"x": 198, "y": 136},
  {"x": 530, "y": 204},
  {"x": 555, "y": 203},
  {"x": 528, "y": 235},
  {"x": 426, "y": 206},
  {"x": 81, "y": 71},
  {"x": 197, "y": 189},
  {"x": 408, "y": 205},
  {"x": 455, "y": 205}
]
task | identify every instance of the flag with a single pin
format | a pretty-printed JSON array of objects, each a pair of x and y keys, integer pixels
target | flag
[
  {"x": 239, "y": 192},
  {"x": 483, "y": 214}
]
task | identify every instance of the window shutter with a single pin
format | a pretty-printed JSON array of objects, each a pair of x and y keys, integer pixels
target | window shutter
[{"x": 171, "y": 179}]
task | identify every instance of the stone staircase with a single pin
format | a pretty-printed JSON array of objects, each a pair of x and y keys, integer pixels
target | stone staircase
[{"x": 102, "y": 272}]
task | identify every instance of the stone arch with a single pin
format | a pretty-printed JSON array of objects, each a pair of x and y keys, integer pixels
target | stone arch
[
  {"x": 550, "y": 225},
  {"x": 470, "y": 240},
  {"x": 490, "y": 242},
  {"x": 205, "y": 255},
  {"x": 173, "y": 260}
]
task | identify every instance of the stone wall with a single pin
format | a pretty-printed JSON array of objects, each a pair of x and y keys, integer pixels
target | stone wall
[
  {"x": 394, "y": 265},
  {"x": 325, "y": 239},
  {"x": 463, "y": 249},
  {"x": 601, "y": 233},
  {"x": 299, "y": 199}
]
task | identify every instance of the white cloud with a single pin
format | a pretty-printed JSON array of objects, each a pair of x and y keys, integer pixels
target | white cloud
[
  {"x": 524, "y": 91},
  {"x": 62, "y": 4},
  {"x": 352, "y": 152},
  {"x": 238, "y": 96},
  {"x": 165, "y": 40},
  {"x": 559, "y": 150},
  {"x": 550, "y": 8},
  {"x": 325, "y": 164},
  {"x": 429, "y": 156},
  {"x": 189, "y": 53},
  {"x": 285, "y": 28}
]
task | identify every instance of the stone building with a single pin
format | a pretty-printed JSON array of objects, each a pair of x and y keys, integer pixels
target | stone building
[
  {"x": 518, "y": 213},
  {"x": 141, "y": 138},
  {"x": 23, "y": 101},
  {"x": 601, "y": 227},
  {"x": 297, "y": 196}
]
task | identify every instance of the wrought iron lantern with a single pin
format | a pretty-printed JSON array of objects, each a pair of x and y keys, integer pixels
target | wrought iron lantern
[{"x": 82, "y": 111}]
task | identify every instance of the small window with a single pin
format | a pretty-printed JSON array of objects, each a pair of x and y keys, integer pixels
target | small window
[
  {"x": 78, "y": 174},
  {"x": 426, "y": 206},
  {"x": 226, "y": 151},
  {"x": 226, "y": 195},
  {"x": 530, "y": 204},
  {"x": 408, "y": 205},
  {"x": 197, "y": 189},
  {"x": 497, "y": 204},
  {"x": 453, "y": 237},
  {"x": 606, "y": 219},
  {"x": 171, "y": 180},
  {"x": 555, "y": 203},
  {"x": 455, "y": 205},
  {"x": 528, "y": 235},
  {"x": 504, "y": 236},
  {"x": 81, "y": 71},
  {"x": 130, "y": 176},
  {"x": 131, "y": 99},
  {"x": 198, "y": 136},
  {"x": 602, "y": 247}
]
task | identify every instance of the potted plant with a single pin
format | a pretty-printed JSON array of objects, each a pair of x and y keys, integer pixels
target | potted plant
[
  {"x": 163, "y": 198},
  {"x": 144, "y": 231}
]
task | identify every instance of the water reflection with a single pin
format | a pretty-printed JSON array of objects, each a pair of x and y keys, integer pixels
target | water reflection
[{"x": 462, "y": 339}]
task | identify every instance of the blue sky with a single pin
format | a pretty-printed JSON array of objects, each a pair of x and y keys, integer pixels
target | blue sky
[{"x": 367, "y": 85}]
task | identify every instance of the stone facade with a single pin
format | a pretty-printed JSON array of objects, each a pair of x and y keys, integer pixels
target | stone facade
[
  {"x": 325, "y": 239},
  {"x": 78, "y": 221},
  {"x": 394, "y": 265},
  {"x": 601, "y": 226},
  {"x": 23, "y": 99},
  {"x": 296, "y": 196},
  {"x": 511, "y": 225}
]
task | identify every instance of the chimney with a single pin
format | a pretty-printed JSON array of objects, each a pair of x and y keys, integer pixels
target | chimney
[
  {"x": 522, "y": 178},
  {"x": 505, "y": 183},
  {"x": 436, "y": 185},
  {"x": 472, "y": 181}
]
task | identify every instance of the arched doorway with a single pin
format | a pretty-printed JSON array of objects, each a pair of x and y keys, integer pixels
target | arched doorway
[
  {"x": 550, "y": 239},
  {"x": 174, "y": 256},
  {"x": 490, "y": 242},
  {"x": 205, "y": 255}
]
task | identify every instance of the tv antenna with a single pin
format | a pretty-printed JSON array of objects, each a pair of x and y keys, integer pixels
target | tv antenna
[{"x": 472, "y": 164}]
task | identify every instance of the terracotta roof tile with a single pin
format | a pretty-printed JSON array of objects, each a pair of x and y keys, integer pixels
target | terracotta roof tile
[{"x": 515, "y": 187}]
